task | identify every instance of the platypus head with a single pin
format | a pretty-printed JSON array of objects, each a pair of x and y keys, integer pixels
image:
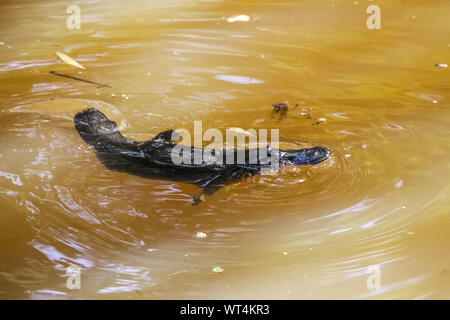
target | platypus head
[{"x": 305, "y": 156}]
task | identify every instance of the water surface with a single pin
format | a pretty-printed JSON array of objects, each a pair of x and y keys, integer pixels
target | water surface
[{"x": 308, "y": 232}]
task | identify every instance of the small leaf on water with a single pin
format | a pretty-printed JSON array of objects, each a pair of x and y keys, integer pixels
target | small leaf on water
[
  {"x": 65, "y": 58},
  {"x": 217, "y": 270}
]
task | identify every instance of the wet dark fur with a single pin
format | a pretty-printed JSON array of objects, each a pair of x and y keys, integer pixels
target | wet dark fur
[{"x": 152, "y": 158}]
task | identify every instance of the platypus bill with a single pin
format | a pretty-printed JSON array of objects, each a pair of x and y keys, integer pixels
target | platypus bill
[{"x": 153, "y": 158}]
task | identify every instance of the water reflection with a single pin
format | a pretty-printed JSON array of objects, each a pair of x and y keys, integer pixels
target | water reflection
[
  {"x": 309, "y": 232},
  {"x": 238, "y": 79}
]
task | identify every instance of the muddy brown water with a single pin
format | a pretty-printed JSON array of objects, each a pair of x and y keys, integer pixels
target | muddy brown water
[{"x": 309, "y": 232}]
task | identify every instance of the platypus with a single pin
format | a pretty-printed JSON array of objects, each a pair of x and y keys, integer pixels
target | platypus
[{"x": 153, "y": 158}]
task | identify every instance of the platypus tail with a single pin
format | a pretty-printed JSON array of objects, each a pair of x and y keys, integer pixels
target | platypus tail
[{"x": 100, "y": 132}]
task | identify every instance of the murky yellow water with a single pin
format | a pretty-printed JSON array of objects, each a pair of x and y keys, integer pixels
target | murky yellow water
[{"x": 309, "y": 232}]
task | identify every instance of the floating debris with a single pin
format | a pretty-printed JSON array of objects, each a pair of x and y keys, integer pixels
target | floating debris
[
  {"x": 306, "y": 113},
  {"x": 441, "y": 65},
  {"x": 201, "y": 235},
  {"x": 318, "y": 121},
  {"x": 218, "y": 269},
  {"x": 281, "y": 108},
  {"x": 65, "y": 58},
  {"x": 79, "y": 79}
]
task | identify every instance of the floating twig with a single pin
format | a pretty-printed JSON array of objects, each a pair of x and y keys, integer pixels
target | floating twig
[{"x": 99, "y": 85}]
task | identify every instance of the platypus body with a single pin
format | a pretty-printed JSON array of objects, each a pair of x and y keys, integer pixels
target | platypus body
[{"x": 153, "y": 158}]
